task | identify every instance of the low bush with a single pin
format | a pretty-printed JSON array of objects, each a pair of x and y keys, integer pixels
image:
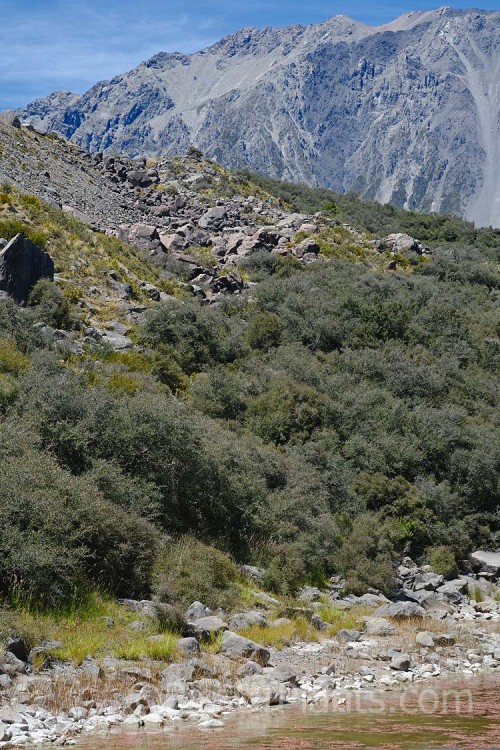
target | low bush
[
  {"x": 188, "y": 570},
  {"x": 364, "y": 556},
  {"x": 51, "y": 305},
  {"x": 60, "y": 537},
  {"x": 442, "y": 560}
]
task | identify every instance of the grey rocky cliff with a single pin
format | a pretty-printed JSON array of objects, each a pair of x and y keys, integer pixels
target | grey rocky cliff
[
  {"x": 406, "y": 112},
  {"x": 22, "y": 264}
]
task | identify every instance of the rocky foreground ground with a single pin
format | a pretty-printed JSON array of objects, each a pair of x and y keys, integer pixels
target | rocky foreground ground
[{"x": 434, "y": 628}]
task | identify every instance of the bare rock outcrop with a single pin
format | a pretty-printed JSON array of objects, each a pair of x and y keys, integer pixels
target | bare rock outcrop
[{"x": 22, "y": 264}]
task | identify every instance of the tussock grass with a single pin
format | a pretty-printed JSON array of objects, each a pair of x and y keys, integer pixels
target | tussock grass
[
  {"x": 299, "y": 629},
  {"x": 350, "y": 619},
  {"x": 408, "y": 627},
  {"x": 83, "y": 258},
  {"x": 476, "y": 593},
  {"x": 213, "y": 646},
  {"x": 161, "y": 648},
  {"x": 95, "y": 627}
]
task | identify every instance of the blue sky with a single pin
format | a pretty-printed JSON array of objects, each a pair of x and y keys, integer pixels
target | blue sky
[{"x": 50, "y": 45}]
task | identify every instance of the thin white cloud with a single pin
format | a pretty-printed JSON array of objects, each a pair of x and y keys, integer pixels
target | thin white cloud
[
  {"x": 46, "y": 53},
  {"x": 47, "y": 45}
]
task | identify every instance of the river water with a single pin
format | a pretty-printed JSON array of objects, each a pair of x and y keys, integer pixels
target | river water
[{"x": 462, "y": 716}]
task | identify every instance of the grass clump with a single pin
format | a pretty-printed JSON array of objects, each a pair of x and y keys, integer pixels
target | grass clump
[
  {"x": 158, "y": 647},
  {"x": 283, "y": 634},
  {"x": 340, "y": 619},
  {"x": 95, "y": 626}
]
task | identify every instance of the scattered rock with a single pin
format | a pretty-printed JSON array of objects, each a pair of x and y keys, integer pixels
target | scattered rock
[
  {"x": 401, "y": 662},
  {"x": 379, "y": 626},
  {"x": 400, "y": 610},
  {"x": 403, "y": 243},
  {"x": 488, "y": 562},
  {"x": 197, "y": 610},
  {"x": 207, "y": 627},
  {"x": 237, "y": 647},
  {"x": 188, "y": 646},
  {"x": 247, "y": 620}
]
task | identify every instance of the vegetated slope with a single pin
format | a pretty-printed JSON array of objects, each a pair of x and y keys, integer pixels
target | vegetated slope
[
  {"x": 333, "y": 415},
  {"x": 404, "y": 113}
]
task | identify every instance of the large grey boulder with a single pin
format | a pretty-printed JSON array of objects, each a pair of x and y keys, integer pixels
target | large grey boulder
[
  {"x": 403, "y": 243},
  {"x": 206, "y": 627},
  {"x": 379, "y": 626},
  {"x": 138, "y": 178},
  {"x": 22, "y": 264},
  {"x": 431, "y": 640},
  {"x": 400, "y": 610},
  {"x": 261, "y": 689},
  {"x": 249, "y": 669},
  {"x": 310, "y": 594},
  {"x": 11, "y": 665},
  {"x": 244, "y": 620},
  {"x": 306, "y": 246},
  {"x": 401, "y": 662},
  {"x": 197, "y": 610},
  {"x": 17, "y": 646},
  {"x": 142, "y": 236},
  {"x": 435, "y": 602},
  {"x": 214, "y": 217},
  {"x": 453, "y": 591},
  {"x": 486, "y": 562},
  {"x": 427, "y": 581},
  {"x": 425, "y": 638},
  {"x": 251, "y": 571},
  {"x": 237, "y": 647},
  {"x": 188, "y": 646}
]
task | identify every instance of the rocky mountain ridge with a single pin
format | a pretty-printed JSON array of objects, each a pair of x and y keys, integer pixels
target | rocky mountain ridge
[{"x": 404, "y": 113}]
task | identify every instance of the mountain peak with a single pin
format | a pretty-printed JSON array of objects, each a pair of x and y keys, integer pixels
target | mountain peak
[{"x": 409, "y": 117}]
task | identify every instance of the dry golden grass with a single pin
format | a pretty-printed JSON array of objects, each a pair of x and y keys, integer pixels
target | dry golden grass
[
  {"x": 340, "y": 619},
  {"x": 100, "y": 627},
  {"x": 84, "y": 259},
  {"x": 61, "y": 692},
  {"x": 279, "y": 636},
  {"x": 413, "y": 625}
]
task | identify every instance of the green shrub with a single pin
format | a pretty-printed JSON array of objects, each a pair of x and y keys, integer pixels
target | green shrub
[
  {"x": 171, "y": 618},
  {"x": 11, "y": 359},
  {"x": 442, "y": 560},
  {"x": 10, "y": 227},
  {"x": 364, "y": 556},
  {"x": 194, "y": 335},
  {"x": 50, "y": 304},
  {"x": 264, "y": 331},
  {"x": 286, "y": 571},
  {"x": 9, "y": 391},
  {"x": 188, "y": 570},
  {"x": 59, "y": 535},
  {"x": 286, "y": 412}
]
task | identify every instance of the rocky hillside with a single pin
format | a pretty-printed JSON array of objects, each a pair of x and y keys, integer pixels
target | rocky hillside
[
  {"x": 192, "y": 222},
  {"x": 404, "y": 113}
]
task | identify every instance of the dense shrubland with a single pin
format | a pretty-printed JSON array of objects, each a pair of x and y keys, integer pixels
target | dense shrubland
[{"x": 334, "y": 421}]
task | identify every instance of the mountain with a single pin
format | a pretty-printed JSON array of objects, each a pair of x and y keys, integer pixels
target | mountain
[{"x": 404, "y": 113}]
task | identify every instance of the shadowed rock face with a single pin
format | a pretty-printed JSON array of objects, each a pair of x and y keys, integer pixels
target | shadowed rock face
[
  {"x": 406, "y": 113},
  {"x": 22, "y": 264}
]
